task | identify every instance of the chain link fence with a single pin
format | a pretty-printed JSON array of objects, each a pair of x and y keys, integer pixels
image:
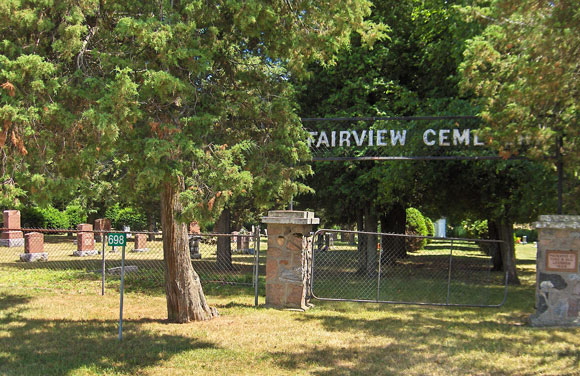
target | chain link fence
[
  {"x": 391, "y": 268},
  {"x": 217, "y": 258}
]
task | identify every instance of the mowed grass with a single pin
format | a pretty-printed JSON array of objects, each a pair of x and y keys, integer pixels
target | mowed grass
[{"x": 55, "y": 322}]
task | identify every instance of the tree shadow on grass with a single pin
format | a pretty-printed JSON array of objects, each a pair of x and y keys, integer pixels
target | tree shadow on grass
[
  {"x": 58, "y": 347},
  {"x": 423, "y": 339}
]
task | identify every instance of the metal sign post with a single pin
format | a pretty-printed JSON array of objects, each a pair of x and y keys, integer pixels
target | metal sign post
[{"x": 119, "y": 239}]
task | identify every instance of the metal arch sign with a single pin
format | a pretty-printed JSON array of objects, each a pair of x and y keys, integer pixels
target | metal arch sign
[{"x": 397, "y": 138}]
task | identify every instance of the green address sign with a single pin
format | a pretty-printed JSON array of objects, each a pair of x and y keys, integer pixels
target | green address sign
[{"x": 116, "y": 239}]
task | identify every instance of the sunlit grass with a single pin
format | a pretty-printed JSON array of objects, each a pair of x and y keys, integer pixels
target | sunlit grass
[{"x": 57, "y": 323}]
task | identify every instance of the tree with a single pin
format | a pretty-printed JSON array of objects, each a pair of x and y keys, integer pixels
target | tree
[
  {"x": 186, "y": 95},
  {"x": 412, "y": 73},
  {"x": 523, "y": 68}
]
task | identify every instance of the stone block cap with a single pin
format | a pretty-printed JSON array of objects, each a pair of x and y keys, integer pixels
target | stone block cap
[
  {"x": 558, "y": 222},
  {"x": 291, "y": 217}
]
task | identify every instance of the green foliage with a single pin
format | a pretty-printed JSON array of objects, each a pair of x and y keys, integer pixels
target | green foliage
[
  {"x": 48, "y": 217},
  {"x": 523, "y": 69},
  {"x": 430, "y": 226},
  {"x": 132, "y": 218},
  {"x": 475, "y": 229},
  {"x": 31, "y": 217},
  {"x": 415, "y": 226},
  {"x": 76, "y": 215},
  {"x": 129, "y": 216},
  {"x": 531, "y": 235}
]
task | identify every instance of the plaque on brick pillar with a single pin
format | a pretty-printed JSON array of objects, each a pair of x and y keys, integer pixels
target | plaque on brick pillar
[
  {"x": 557, "y": 271},
  {"x": 287, "y": 257},
  {"x": 85, "y": 241},
  {"x": 34, "y": 248},
  {"x": 12, "y": 237}
]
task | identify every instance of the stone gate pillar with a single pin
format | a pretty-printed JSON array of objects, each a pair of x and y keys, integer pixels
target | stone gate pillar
[
  {"x": 287, "y": 257},
  {"x": 557, "y": 273}
]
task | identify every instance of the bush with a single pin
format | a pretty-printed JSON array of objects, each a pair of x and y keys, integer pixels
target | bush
[
  {"x": 131, "y": 217},
  {"x": 415, "y": 226},
  {"x": 31, "y": 218},
  {"x": 49, "y": 217},
  {"x": 532, "y": 235},
  {"x": 76, "y": 215},
  {"x": 430, "y": 226},
  {"x": 475, "y": 229},
  {"x": 54, "y": 218}
]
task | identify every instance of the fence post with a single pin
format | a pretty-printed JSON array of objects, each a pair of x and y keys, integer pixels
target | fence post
[
  {"x": 103, "y": 241},
  {"x": 256, "y": 264},
  {"x": 286, "y": 257},
  {"x": 449, "y": 273}
]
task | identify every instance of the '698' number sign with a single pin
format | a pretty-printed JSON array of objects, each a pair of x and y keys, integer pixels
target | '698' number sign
[{"x": 116, "y": 239}]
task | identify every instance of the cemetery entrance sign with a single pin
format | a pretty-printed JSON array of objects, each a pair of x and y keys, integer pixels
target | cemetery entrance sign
[{"x": 397, "y": 138}]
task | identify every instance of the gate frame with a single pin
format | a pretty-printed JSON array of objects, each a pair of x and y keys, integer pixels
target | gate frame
[{"x": 323, "y": 230}]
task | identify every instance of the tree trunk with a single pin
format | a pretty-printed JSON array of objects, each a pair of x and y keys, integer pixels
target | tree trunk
[
  {"x": 395, "y": 222},
  {"x": 371, "y": 225},
  {"x": 508, "y": 250},
  {"x": 494, "y": 249},
  {"x": 224, "y": 243},
  {"x": 185, "y": 299}
]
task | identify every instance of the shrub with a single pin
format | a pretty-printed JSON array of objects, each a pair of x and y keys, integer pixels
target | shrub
[
  {"x": 475, "y": 229},
  {"x": 49, "y": 217},
  {"x": 532, "y": 235},
  {"x": 131, "y": 217},
  {"x": 430, "y": 226},
  {"x": 76, "y": 215},
  {"x": 31, "y": 217},
  {"x": 54, "y": 218},
  {"x": 415, "y": 226}
]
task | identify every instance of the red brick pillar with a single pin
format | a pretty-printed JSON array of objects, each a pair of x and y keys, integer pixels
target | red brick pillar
[
  {"x": 140, "y": 243},
  {"x": 287, "y": 258},
  {"x": 34, "y": 248},
  {"x": 85, "y": 241},
  {"x": 102, "y": 224},
  {"x": 13, "y": 237}
]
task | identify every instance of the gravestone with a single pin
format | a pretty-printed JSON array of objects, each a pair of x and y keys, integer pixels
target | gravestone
[
  {"x": 85, "y": 241},
  {"x": 102, "y": 224},
  {"x": 194, "y": 230},
  {"x": 12, "y": 237},
  {"x": 243, "y": 242},
  {"x": 140, "y": 243},
  {"x": 287, "y": 257},
  {"x": 557, "y": 271},
  {"x": 34, "y": 248}
]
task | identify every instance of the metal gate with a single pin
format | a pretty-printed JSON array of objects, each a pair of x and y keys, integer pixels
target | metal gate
[{"x": 405, "y": 269}]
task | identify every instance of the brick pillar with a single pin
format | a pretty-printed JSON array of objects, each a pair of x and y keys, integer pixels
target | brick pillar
[
  {"x": 13, "y": 237},
  {"x": 287, "y": 258},
  {"x": 140, "y": 243},
  {"x": 85, "y": 241},
  {"x": 102, "y": 224},
  {"x": 34, "y": 248},
  {"x": 557, "y": 271}
]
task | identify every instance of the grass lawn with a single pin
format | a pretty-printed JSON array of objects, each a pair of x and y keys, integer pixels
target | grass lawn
[{"x": 54, "y": 322}]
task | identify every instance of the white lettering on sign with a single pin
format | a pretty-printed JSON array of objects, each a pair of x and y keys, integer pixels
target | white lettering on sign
[
  {"x": 380, "y": 134},
  {"x": 426, "y": 140},
  {"x": 344, "y": 138},
  {"x": 398, "y": 137}
]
